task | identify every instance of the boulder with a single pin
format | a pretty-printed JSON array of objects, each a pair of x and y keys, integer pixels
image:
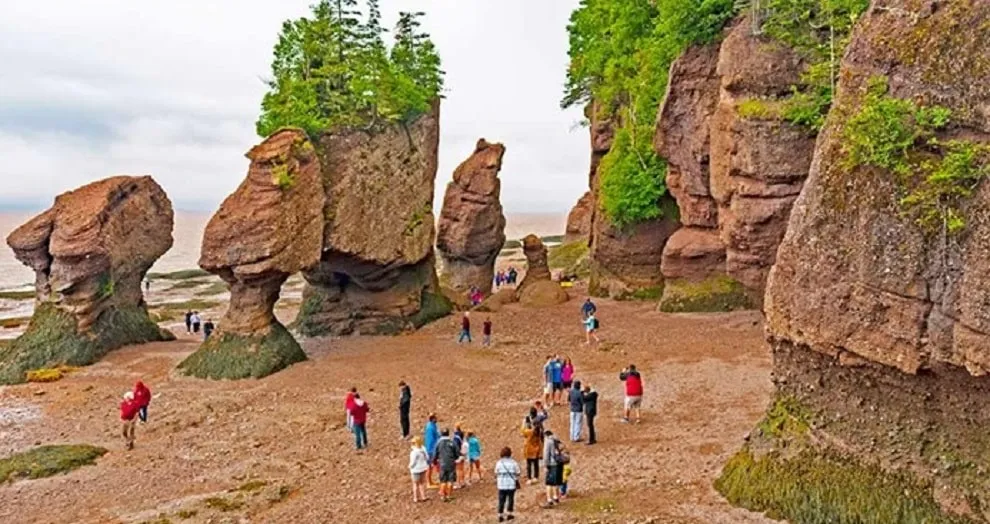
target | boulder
[
  {"x": 268, "y": 229},
  {"x": 693, "y": 253},
  {"x": 497, "y": 300},
  {"x": 579, "y": 219},
  {"x": 90, "y": 252},
  {"x": 536, "y": 288},
  {"x": 471, "y": 230},
  {"x": 376, "y": 273}
]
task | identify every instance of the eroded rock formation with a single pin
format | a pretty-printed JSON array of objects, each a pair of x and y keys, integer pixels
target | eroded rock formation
[
  {"x": 471, "y": 230},
  {"x": 878, "y": 324},
  {"x": 268, "y": 229},
  {"x": 579, "y": 220},
  {"x": 536, "y": 288},
  {"x": 376, "y": 274},
  {"x": 90, "y": 252}
]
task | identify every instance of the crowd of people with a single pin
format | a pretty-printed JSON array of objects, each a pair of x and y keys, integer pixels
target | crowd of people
[
  {"x": 506, "y": 277},
  {"x": 194, "y": 321}
]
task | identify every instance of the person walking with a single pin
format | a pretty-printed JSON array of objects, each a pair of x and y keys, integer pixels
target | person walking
[
  {"x": 419, "y": 464},
  {"x": 196, "y": 321},
  {"x": 128, "y": 415},
  {"x": 473, "y": 455},
  {"x": 147, "y": 285},
  {"x": 590, "y": 412},
  {"x": 447, "y": 455},
  {"x": 591, "y": 329},
  {"x": 576, "y": 400},
  {"x": 532, "y": 449},
  {"x": 208, "y": 328},
  {"x": 142, "y": 396},
  {"x": 348, "y": 404},
  {"x": 486, "y": 332},
  {"x": 465, "y": 328},
  {"x": 405, "y": 404},
  {"x": 551, "y": 458},
  {"x": 431, "y": 435},
  {"x": 588, "y": 308},
  {"x": 507, "y": 475},
  {"x": 359, "y": 414},
  {"x": 634, "y": 392},
  {"x": 189, "y": 315}
]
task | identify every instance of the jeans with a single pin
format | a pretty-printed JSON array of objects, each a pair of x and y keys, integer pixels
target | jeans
[
  {"x": 143, "y": 413},
  {"x": 487, "y": 340},
  {"x": 532, "y": 468},
  {"x": 465, "y": 334},
  {"x": 506, "y": 500},
  {"x": 591, "y": 428},
  {"x": 576, "y": 426},
  {"x": 563, "y": 489},
  {"x": 360, "y": 436},
  {"x": 404, "y": 420}
]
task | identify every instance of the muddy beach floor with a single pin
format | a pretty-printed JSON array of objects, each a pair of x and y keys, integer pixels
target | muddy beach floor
[{"x": 275, "y": 450}]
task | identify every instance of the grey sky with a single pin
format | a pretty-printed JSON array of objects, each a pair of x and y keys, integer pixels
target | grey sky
[{"x": 172, "y": 88}]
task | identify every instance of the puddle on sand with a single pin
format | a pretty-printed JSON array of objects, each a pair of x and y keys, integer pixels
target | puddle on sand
[{"x": 11, "y": 414}]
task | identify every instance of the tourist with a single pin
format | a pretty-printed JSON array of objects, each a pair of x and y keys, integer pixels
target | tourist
[
  {"x": 486, "y": 332},
  {"x": 460, "y": 440},
  {"x": 348, "y": 404},
  {"x": 189, "y": 315},
  {"x": 474, "y": 455},
  {"x": 405, "y": 403},
  {"x": 564, "y": 478},
  {"x": 142, "y": 396},
  {"x": 548, "y": 381},
  {"x": 532, "y": 448},
  {"x": 507, "y": 481},
  {"x": 513, "y": 274},
  {"x": 465, "y": 328},
  {"x": 359, "y": 417},
  {"x": 447, "y": 455},
  {"x": 588, "y": 308},
  {"x": 576, "y": 399},
  {"x": 431, "y": 435},
  {"x": 591, "y": 329},
  {"x": 634, "y": 392},
  {"x": 554, "y": 467},
  {"x": 590, "y": 412},
  {"x": 540, "y": 418},
  {"x": 208, "y": 328},
  {"x": 128, "y": 415},
  {"x": 419, "y": 464},
  {"x": 476, "y": 296},
  {"x": 147, "y": 285},
  {"x": 196, "y": 321},
  {"x": 567, "y": 373},
  {"x": 557, "y": 369}
]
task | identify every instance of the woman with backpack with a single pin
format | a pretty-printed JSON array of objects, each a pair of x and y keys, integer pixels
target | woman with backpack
[
  {"x": 507, "y": 480},
  {"x": 591, "y": 329}
]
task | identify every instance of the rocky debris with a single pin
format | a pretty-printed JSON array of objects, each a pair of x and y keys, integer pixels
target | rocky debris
[
  {"x": 693, "y": 254},
  {"x": 536, "y": 288},
  {"x": 497, "y": 300},
  {"x": 471, "y": 230},
  {"x": 579, "y": 219},
  {"x": 90, "y": 252},
  {"x": 758, "y": 166},
  {"x": 376, "y": 274},
  {"x": 268, "y": 229}
]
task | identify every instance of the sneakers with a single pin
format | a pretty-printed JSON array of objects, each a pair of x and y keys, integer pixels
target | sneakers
[{"x": 625, "y": 420}]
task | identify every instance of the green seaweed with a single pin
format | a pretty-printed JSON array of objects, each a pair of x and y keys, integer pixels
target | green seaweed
[
  {"x": 47, "y": 461},
  {"x": 230, "y": 356},
  {"x": 433, "y": 306},
  {"x": 715, "y": 294},
  {"x": 182, "y": 274}
]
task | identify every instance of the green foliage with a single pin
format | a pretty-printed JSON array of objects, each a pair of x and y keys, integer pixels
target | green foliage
[
  {"x": 899, "y": 136},
  {"x": 334, "y": 69},
  {"x": 567, "y": 255},
  {"x": 47, "y": 461},
  {"x": 717, "y": 293},
  {"x": 620, "y": 55},
  {"x": 230, "y": 356},
  {"x": 281, "y": 177},
  {"x": 813, "y": 489},
  {"x": 223, "y": 504},
  {"x": 787, "y": 417},
  {"x": 417, "y": 219},
  {"x": 106, "y": 284},
  {"x": 759, "y": 109},
  {"x": 51, "y": 340}
]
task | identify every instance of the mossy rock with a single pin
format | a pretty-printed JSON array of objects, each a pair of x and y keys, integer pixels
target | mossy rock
[
  {"x": 230, "y": 356},
  {"x": 571, "y": 258},
  {"x": 46, "y": 461},
  {"x": 51, "y": 340},
  {"x": 433, "y": 306},
  {"x": 714, "y": 294}
]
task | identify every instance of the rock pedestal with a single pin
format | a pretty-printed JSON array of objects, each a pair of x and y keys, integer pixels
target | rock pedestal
[
  {"x": 90, "y": 252},
  {"x": 268, "y": 229},
  {"x": 536, "y": 288},
  {"x": 471, "y": 230}
]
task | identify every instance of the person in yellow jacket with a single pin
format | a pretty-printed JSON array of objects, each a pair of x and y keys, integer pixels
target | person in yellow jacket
[
  {"x": 532, "y": 450},
  {"x": 567, "y": 475}
]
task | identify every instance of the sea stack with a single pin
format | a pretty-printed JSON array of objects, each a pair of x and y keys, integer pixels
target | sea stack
[
  {"x": 90, "y": 252},
  {"x": 376, "y": 274},
  {"x": 536, "y": 288},
  {"x": 268, "y": 229},
  {"x": 471, "y": 230}
]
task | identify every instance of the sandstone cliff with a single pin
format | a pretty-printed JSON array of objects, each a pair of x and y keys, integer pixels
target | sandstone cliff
[
  {"x": 376, "y": 273},
  {"x": 268, "y": 229},
  {"x": 90, "y": 252},
  {"x": 579, "y": 220},
  {"x": 536, "y": 288},
  {"x": 876, "y": 307},
  {"x": 471, "y": 230}
]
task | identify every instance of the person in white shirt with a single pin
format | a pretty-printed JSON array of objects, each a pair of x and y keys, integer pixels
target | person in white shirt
[
  {"x": 419, "y": 463},
  {"x": 507, "y": 474}
]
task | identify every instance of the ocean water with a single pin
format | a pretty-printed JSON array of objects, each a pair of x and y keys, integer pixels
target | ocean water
[{"x": 188, "y": 234}]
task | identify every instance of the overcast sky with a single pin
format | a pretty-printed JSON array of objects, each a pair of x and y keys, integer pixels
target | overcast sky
[{"x": 172, "y": 88}]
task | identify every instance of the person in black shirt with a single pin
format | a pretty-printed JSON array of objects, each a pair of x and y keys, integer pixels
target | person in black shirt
[
  {"x": 405, "y": 403},
  {"x": 590, "y": 411},
  {"x": 208, "y": 328}
]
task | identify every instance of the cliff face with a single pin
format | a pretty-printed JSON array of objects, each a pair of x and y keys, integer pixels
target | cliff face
[
  {"x": 471, "y": 230},
  {"x": 376, "y": 273},
  {"x": 90, "y": 252},
  {"x": 579, "y": 220},
  {"x": 268, "y": 229},
  {"x": 877, "y": 321}
]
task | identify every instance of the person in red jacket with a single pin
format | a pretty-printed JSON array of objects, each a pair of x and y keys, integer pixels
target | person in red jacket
[
  {"x": 359, "y": 417},
  {"x": 634, "y": 392},
  {"x": 142, "y": 396},
  {"x": 128, "y": 415},
  {"x": 348, "y": 404}
]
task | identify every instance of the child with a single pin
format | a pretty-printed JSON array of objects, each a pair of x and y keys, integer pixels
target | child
[
  {"x": 474, "y": 455},
  {"x": 128, "y": 415},
  {"x": 419, "y": 464},
  {"x": 567, "y": 475},
  {"x": 462, "y": 448},
  {"x": 486, "y": 331},
  {"x": 348, "y": 404}
]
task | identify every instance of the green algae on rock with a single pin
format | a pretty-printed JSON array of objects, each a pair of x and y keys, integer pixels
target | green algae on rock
[
  {"x": 47, "y": 461},
  {"x": 714, "y": 294},
  {"x": 232, "y": 356}
]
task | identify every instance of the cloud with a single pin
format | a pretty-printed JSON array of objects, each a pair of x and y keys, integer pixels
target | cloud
[{"x": 172, "y": 89}]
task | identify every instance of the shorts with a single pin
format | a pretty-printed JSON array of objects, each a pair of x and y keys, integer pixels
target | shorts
[
  {"x": 558, "y": 386},
  {"x": 448, "y": 475},
  {"x": 548, "y": 388},
  {"x": 555, "y": 475},
  {"x": 633, "y": 402},
  {"x": 567, "y": 384},
  {"x": 418, "y": 477}
]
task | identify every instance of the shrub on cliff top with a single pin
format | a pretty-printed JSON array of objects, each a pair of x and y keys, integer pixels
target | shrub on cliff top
[{"x": 334, "y": 69}]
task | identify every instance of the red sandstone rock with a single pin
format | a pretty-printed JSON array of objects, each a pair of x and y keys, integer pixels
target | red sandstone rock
[
  {"x": 536, "y": 288},
  {"x": 693, "y": 254},
  {"x": 624, "y": 261},
  {"x": 579, "y": 219}
]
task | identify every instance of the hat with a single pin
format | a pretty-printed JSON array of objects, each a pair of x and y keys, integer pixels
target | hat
[{"x": 129, "y": 396}]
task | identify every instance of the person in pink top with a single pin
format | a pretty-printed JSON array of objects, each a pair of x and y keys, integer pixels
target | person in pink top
[{"x": 567, "y": 373}]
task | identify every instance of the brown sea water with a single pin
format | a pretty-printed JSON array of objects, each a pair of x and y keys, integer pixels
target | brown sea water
[{"x": 188, "y": 235}]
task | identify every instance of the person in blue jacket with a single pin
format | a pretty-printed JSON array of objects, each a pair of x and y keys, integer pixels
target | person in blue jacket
[{"x": 431, "y": 435}]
